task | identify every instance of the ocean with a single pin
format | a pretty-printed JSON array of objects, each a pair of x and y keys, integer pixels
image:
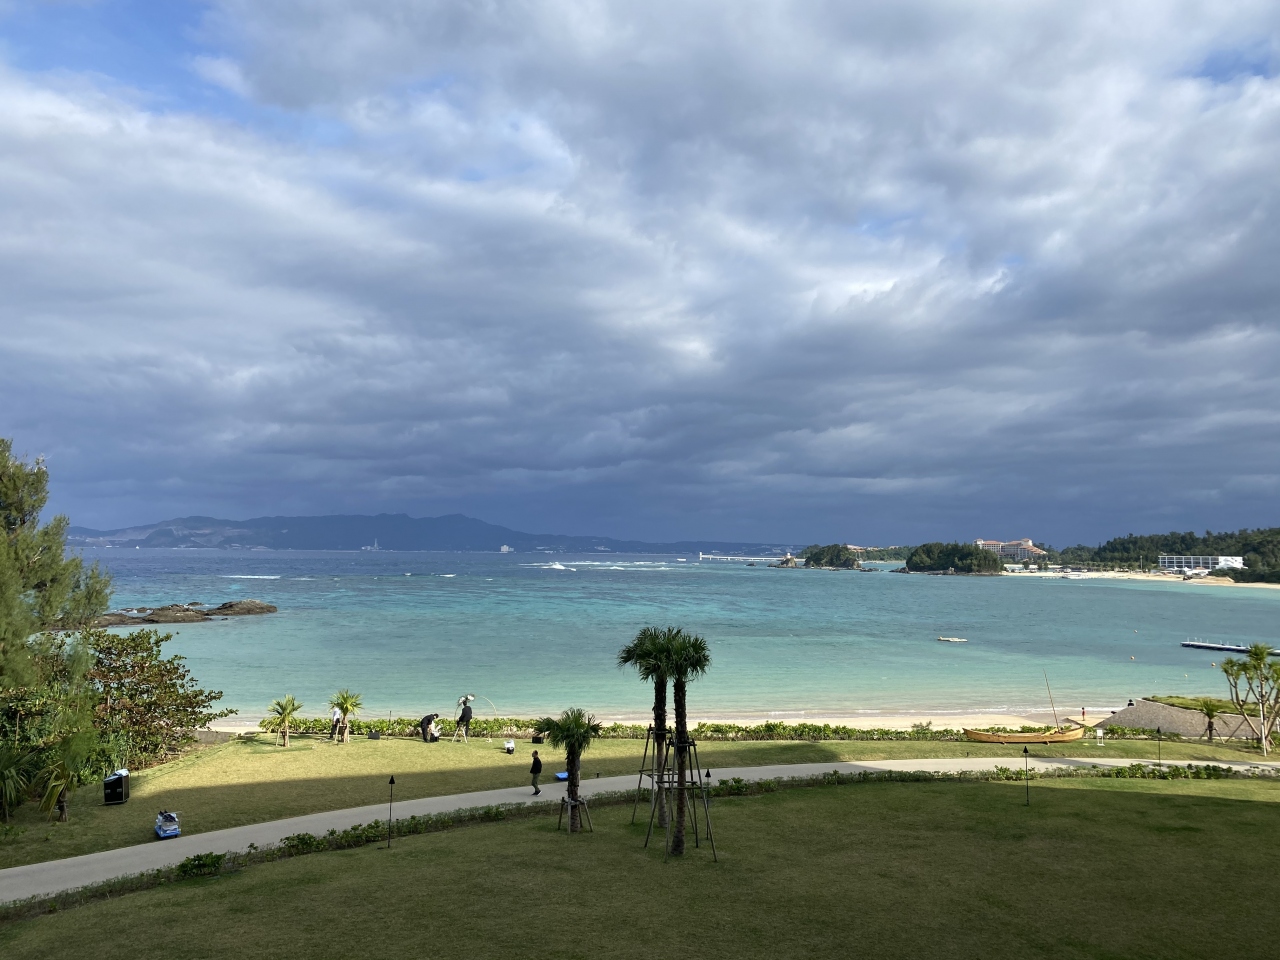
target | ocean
[{"x": 532, "y": 634}]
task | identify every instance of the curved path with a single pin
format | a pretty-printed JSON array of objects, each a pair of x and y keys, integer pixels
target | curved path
[{"x": 55, "y": 876}]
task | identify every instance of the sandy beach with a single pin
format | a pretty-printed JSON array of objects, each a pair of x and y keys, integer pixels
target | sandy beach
[{"x": 1155, "y": 577}]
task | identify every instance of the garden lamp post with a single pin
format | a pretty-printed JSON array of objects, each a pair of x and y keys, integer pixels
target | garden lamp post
[
  {"x": 391, "y": 799},
  {"x": 1026, "y": 771},
  {"x": 1159, "y": 753}
]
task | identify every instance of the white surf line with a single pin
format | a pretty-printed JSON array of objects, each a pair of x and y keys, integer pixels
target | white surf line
[{"x": 57, "y": 876}]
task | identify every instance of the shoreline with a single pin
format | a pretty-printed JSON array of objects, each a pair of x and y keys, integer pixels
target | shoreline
[
  {"x": 940, "y": 719},
  {"x": 1133, "y": 575}
]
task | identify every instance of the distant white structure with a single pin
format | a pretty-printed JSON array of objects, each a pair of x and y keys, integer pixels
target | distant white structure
[
  {"x": 374, "y": 547},
  {"x": 505, "y": 549},
  {"x": 1022, "y": 549},
  {"x": 1184, "y": 564}
]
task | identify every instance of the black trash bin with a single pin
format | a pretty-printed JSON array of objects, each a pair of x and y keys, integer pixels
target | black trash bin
[{"x": 115, "y": 788}]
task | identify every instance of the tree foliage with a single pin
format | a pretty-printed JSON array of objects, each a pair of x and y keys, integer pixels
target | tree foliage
[
  {"x": 280, "y": 716},
  {"x": 960, "y": 557},
  {"x": 1260, "y": 548},
  {"x": 147, "y": 703},
  {"x": 573, "y": 731},
  {"x": 644, "y": 653},
  {"x": 835, "y": 555},
  {"x": 1254, "y": 682},
  {"x": 41, "y": 588}
]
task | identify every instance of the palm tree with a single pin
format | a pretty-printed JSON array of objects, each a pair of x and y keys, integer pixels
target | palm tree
[
  {"x": 687, "y": 658},
  {"x": 348, "y": 704},
  {"x": 573, "y": 731},
  {"x": 1210, "y": 710},
  {"x": 645, "y": 654},
  {"x": 13, "y": 780},
  {"x": 281, "y": 715}
]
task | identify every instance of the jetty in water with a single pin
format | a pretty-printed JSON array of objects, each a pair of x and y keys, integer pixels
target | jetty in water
[{"x": 1223, "y": 647}]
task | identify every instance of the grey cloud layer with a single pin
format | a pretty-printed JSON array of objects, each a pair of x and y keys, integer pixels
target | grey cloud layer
[{"x": 763, "y": 270}]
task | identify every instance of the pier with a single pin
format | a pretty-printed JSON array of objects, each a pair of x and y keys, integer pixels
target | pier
[
  {"x": 719, "y": 556},
  {"x": 1223, "y": 647}
]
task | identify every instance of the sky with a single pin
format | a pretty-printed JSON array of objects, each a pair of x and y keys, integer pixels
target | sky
[{"x": 877, "y": 272}]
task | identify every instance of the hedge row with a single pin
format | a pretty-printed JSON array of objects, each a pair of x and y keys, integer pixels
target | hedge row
[{"x": 519, "y": 728}]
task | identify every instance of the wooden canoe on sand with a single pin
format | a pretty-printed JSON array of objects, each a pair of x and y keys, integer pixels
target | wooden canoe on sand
[{"x": 1052, "y": 736}]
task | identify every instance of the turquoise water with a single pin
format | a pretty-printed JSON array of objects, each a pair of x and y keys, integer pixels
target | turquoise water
[{"x": 534, "y": 635}]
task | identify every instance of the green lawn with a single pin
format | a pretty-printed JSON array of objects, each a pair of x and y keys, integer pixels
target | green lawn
[
  {"x": 248, "y": 781},
  {"x": 1092, "y": 869}
]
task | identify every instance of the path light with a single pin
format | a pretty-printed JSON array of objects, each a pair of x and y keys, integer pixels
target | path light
[
  {"x": 392, "y": 784},
  {"x": 1026, "y": 771},
  {"x": 1158, "y": 756}
]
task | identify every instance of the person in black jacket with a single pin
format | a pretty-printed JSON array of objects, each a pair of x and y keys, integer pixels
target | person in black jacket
[
  {"x": 535, "y": 771},
  {"x": 426, "y": 724},
  {"x": 464, "y": 722}
]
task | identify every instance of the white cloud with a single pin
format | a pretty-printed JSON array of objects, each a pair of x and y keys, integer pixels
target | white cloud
[
  {"x": 638, "y": 263},
  {"x": 222, "y": 72}
]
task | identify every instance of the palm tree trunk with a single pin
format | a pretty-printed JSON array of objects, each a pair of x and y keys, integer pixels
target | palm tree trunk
[
  {"x": 574, "y": 762},
  {"x": 63, "y": 814},
  {"x": 682, "y": 762},
  {"x": 660, "y": 742},
  {"x": 286, "y": 734}
]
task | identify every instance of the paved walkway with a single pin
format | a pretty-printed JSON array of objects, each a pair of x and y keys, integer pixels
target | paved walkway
[{"x": 55, "y": 876}]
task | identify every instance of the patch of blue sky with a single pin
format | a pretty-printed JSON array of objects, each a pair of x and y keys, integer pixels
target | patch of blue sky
[
  {"x": 146, "y": 50},
  {"x": 144, "y": 44},
  {"x": 1231, "y": 64}
]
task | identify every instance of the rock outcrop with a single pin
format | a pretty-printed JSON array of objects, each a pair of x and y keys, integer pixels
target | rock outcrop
[{"x": 194, "y": 612}]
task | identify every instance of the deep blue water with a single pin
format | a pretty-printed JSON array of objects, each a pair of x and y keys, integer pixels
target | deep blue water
[{"x": 535, "y": 634}]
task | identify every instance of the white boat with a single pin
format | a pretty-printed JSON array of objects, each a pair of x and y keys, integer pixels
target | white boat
[{"x": 953, "y": 639}]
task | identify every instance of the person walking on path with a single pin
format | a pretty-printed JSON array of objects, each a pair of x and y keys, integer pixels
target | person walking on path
[
  {"x": 337, "y": 720},
  {"x": 535, "y": 771}
]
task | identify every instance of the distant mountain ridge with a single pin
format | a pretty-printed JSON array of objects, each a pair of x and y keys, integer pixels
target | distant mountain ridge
[{"x": 390, "y": 531}]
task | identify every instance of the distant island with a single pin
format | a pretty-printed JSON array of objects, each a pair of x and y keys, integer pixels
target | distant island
[{"x": 386, "y": 531}]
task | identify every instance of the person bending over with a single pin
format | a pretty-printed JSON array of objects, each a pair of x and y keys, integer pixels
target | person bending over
[{"x": 337, "y": 720}]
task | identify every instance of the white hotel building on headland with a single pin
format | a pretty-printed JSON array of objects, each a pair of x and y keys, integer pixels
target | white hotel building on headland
[
  {"x": 1022, "y": 549},
  {"x": 1200, "y": 563}
]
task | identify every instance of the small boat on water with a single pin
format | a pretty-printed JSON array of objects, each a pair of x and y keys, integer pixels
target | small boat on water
[
  {"x": 953, "y": 639},
  {"x": 1052, "y": 736}
]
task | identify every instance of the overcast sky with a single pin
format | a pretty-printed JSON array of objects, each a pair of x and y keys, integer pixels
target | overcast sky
[{"x": 876, "y": 272}]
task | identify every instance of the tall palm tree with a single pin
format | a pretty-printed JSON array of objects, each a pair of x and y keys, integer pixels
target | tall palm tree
[
  {"x": 687, "y": 658},
  {"x": 645, "y": 653},
  {"x": 572, "y": 731},
  {"x": 281, "y": 715},
  {"x": 1210, "y": 710},
  {"x": 348, "y": 704}
]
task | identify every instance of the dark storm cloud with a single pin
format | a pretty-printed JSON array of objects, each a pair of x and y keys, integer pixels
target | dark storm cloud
[{"x": 787, "y": 271}]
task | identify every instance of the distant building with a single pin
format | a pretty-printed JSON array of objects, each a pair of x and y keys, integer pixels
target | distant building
[
  {"x": 506, "y": 549},
  {"x": 1022, "y": 549},
  {"x": 1201, "y": 563}
]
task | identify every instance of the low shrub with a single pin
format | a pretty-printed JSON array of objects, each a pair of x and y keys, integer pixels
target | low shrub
[
  {"x": 201, "y": 865},
  {"x": 770, "y": 730},
  {"x": 1138, "y": 733}
]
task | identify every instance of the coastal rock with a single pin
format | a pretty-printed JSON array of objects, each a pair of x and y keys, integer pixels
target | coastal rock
[
  {"x": 240, "y": 608},
  {"x": 194, "y": 612},
  {"x": 115, "y": 620},
  {"x": 174, "y": 613}
]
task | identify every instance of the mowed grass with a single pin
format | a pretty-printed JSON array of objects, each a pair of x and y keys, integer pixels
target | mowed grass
[
  {"x": 252, "y": 781},
  {"x": 1092, "y": 869}
]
